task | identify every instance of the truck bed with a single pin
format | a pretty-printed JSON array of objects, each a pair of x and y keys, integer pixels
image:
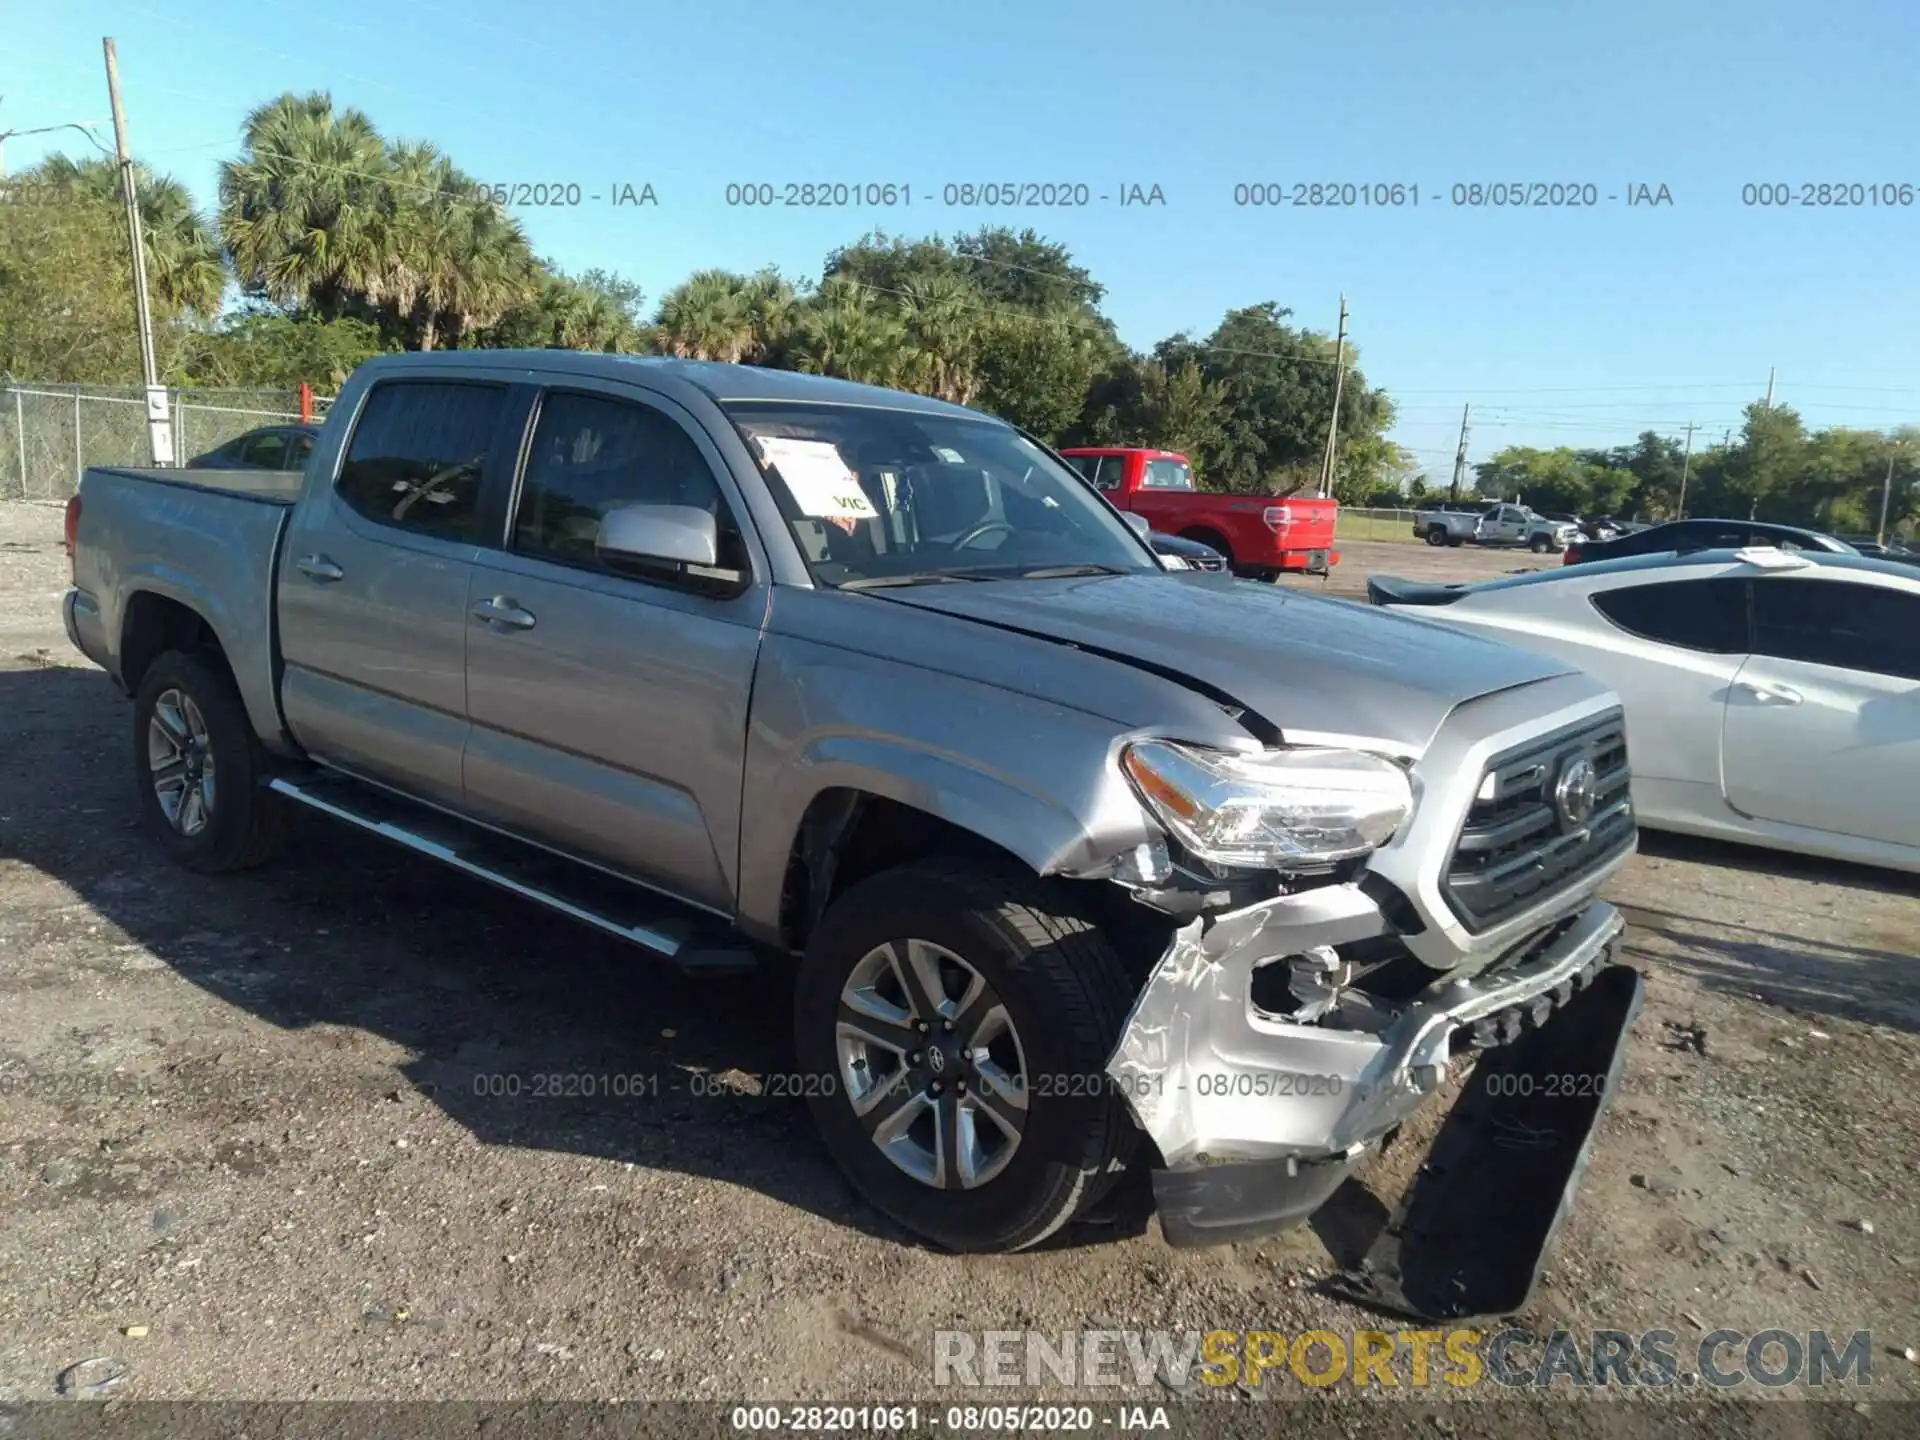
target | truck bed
[
  {"x": 206, "y": 539},
  {"x": 270, "y": 487}
]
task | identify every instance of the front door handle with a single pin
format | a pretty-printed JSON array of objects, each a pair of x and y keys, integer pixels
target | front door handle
[
  {"x": 502, "y": 610},
  {"x": 1772, "y": 694},
  {"x": 319, "y": 567}
]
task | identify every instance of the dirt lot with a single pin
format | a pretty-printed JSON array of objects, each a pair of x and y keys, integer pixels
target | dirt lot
[{"x": 242, "y": 1114}]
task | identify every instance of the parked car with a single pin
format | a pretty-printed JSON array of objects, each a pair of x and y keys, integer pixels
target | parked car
[
  {"x": 272, "y": 447},
  {"x": 1686, "y": 536},
  {"x": 1874, "y": 550},
  {"x": 1773, "y": 696},
  {"x": 1189, "y": 554},
  {"x": 1261, "y": 537},
  {"x": 1495, "y": 523},
  {"x": 754, "y": 668}
]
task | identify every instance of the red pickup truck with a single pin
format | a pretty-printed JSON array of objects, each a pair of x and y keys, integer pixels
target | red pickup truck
[{"x": 1261, "y": 536}]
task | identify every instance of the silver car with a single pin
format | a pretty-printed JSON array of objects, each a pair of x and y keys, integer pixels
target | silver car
[{"x": 1773, "y": 695}]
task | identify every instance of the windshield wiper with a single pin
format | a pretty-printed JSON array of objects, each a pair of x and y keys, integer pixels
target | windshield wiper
[
  {"x": 916, "y": 577},
  {"x": 1061, "y": 572}
]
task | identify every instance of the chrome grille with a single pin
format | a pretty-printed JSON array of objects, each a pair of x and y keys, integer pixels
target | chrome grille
[{"x": 1526, "y": 837}]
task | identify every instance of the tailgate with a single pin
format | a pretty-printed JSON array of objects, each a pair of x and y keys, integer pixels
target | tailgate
[{"x": 1309, "y": 523}]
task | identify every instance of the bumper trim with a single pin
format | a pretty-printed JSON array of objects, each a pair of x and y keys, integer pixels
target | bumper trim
[
  {"x": 1222, "y": 1204},
  {"x": 1210, "y": 1079}
]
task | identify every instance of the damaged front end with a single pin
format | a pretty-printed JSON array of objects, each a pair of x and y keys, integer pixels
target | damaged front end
[{"x": 1277, "y": 1043}]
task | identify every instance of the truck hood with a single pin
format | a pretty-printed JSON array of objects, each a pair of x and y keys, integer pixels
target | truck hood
[{"x": 1306, "y": 664}]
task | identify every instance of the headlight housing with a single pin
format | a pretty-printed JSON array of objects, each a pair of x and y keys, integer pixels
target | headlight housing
[{"x": 1270, "y": 809}]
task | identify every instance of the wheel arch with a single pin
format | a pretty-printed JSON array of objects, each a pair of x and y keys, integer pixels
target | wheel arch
[
  {"x": 848, "y": 833},
  {"x": 153, "y": 623}
]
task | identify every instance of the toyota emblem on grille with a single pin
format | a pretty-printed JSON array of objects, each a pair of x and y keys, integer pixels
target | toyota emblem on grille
[{"x": 1575, "y": 792}]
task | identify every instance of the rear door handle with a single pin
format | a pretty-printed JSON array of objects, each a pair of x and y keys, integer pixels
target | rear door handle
[
  {"x": 1773, "y": 694},
  {"x": 502, "y": 610},
  {"x": 319, "y": 567}
]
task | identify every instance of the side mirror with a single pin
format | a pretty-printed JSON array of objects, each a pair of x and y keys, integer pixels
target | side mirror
[
  {"x": 657, "y": 534},
  {"x": 1141, "y": 525}
]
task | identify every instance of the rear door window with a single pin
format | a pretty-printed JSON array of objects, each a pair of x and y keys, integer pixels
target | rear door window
[
  {"x": 1706, "y": 615},
  {"x": 418, "y": 455},
  {"x": 1112, "y": 474}
]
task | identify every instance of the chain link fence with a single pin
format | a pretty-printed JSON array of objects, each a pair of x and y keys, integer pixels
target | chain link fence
[
  {"x": 1356, "y": 524},
  {"x": 49, "y": 434}
]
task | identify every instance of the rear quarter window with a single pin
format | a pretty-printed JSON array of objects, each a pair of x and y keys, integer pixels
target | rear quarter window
[{"x": 1709, "y": 615}]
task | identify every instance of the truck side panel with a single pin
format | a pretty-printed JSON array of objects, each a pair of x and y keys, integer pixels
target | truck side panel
[{"x": 210, "y": 548}]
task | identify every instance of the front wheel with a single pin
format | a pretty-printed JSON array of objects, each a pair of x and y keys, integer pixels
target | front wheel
[
  {"x": 958, "y": 1019},
  {"x": 1539, "y": 544}
]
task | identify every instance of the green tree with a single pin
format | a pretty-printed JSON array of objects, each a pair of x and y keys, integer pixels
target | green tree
[
  {"x": 66, "y": 294},
  {"x": 266, "y": 347},
  {"x": 843, "y": 331},
  {"x": 596, "y": 310},
  {"x": 1277, "y": 386},
  {"x": 706, "y": 318},
  {"x": 185, "y": 271}
]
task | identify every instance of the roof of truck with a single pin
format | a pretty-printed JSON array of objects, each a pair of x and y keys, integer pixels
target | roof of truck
[{"x": 724, "y": 383}]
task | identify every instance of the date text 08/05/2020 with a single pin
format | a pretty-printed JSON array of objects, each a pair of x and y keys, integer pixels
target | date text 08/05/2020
[{"x": 1470, "y": 194}]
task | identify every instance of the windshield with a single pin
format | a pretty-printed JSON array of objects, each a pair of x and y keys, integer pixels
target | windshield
[{"x": 894, "y": 496}]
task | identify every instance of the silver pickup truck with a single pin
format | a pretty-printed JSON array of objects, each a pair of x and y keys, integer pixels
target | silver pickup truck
[
  {"x": 1494, "y": 523},
  {"x": 1064, "y": 857}
]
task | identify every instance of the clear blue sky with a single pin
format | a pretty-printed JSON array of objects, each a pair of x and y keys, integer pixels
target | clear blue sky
[{"x": 1578, "y": 326}]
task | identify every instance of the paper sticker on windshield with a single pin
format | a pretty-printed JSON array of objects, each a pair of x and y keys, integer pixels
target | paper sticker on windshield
[
  {"x": 952, "y": 457},
  {"x": 821, "y": 484}
]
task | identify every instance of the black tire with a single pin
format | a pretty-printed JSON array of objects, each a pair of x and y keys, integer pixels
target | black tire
[
  {"x": 1067, "y": 996},
  {"x": 247, "y": 819},
  {"x": 1436, "y": 535},
  {"x": 1539, "y": 544}
]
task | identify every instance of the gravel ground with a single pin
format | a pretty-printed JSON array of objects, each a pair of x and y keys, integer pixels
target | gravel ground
[{"x": 242, "y": 1114}]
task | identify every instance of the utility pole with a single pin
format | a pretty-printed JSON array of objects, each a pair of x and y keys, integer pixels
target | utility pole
[
  {"x": 1686, "y": 463},
  {"x": 1769, "y": 387},
  {"x": 1886, "y": 495},
  {"x": 159, "y": 427},
  {"x": 1460, "y": 455},
  {"x": 1339, "y": 378}
]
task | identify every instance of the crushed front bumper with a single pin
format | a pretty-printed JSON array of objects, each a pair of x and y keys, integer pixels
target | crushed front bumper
[{"x": 1258, "y": 1117}]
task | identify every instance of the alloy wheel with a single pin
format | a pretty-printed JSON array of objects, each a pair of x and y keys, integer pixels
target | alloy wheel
[
  {"x": 932, "y": 1064},
  {"x": 180, "y": 760}
]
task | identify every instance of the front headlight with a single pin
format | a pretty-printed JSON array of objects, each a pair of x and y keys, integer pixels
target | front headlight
[
  {"x": 1273, "y": 808},
  {"x": 1172, "y": 562}
]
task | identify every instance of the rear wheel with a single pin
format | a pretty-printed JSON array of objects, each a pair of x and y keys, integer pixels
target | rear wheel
[
  {"x": 1436, "y": 535},
  {"x": 959, "y": 1019},
  {"x": 200, "y": 770}
]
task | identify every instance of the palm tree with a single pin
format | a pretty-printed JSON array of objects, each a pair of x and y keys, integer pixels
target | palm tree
[
  {"x": 941, "y": 314},
  {"x": 844, "y": 332},
  {"x": 707, "y": 318},
  {"x": 184, "y": 267},
  {"x": 772, "y": 308},
  {"x": 302, "y": 213}
]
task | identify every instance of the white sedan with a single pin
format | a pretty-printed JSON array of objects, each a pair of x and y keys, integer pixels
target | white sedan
[{"x": 1771, "y": 696}]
